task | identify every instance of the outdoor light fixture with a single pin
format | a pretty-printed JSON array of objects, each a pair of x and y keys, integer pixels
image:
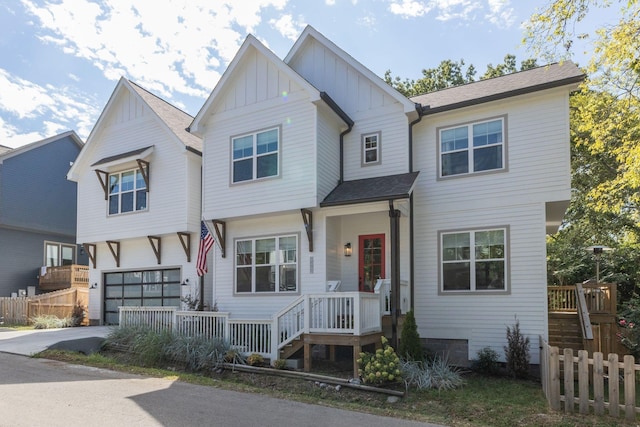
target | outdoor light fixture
[
  {"x": 347, "y": 249},
  {"x": 597, "y": 251},
  {"x": 93, "y": 286},
  {"x": 185, "y": 282}
]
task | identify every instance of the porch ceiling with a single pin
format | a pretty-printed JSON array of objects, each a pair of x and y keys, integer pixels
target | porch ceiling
[{"x": 376, "y": 189}]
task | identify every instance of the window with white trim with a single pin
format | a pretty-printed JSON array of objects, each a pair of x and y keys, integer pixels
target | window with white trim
[
  {"x": 57, "y": 254},
  {"x": 255, "y": 155},
  {"x": 473, "y": 260},
  {"x": 127, "y": 192},
  {"x": 485, "y": 152},
  {"x": 267, "y": 264},
  {"x": 371, "y": 148}
]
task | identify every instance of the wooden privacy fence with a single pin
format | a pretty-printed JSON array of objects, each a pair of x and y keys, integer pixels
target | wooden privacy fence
[
  {"x": 601, "y": 384},
  {"x": 21, "y": 310}
]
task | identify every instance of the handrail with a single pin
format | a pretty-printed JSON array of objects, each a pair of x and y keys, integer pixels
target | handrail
[
  {"x": 583, "y": 313},
  {"x": 600, "y": 298}
]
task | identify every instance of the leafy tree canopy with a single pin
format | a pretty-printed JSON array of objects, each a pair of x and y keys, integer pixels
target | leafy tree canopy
[{"x": 452, "y": 73}]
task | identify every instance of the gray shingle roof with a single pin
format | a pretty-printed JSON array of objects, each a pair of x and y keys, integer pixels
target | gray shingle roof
[
  {"x": 546, "y": 77},
  {"x": 120, "y": 156},
  {"x": 177, "y": 120},
  {"x": 376, "y": 189}
]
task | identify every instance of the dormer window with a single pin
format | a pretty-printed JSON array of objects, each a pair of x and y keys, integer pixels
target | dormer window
[
  {"x": 255, "y": 155},
  {"x": 371, "y": 149},
  {"x": 127, "y": 192}
]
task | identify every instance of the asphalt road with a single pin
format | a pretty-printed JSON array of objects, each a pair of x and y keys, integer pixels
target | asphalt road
[{"x": 40, "y": 392}]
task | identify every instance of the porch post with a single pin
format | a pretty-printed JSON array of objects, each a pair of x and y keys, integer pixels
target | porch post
[{"x": 394, "y": 229}]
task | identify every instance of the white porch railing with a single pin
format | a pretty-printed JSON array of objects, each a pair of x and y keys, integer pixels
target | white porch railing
[
  {"x": 354, "y": 313},
  {"x": 383, "y": 287}
]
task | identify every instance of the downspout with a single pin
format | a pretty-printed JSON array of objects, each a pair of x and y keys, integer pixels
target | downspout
[
  {"x": 342, "y": 134},
  {"x": 420, "y": 110}
]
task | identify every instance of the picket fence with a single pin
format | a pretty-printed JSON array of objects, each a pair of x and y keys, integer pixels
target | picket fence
[{"x": 560, "y": 370}]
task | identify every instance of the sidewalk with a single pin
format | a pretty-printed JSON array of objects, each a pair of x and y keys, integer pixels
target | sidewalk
[{"x": 85, "y": 339}]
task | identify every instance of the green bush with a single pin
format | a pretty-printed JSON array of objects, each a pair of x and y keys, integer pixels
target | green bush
[
  {"x": 380, "y": 367},
  {"x": 49, "y": 321},
  {"x": 280, "y": 364},
  {"x": 629, "y": 321},
  {"x": 517, "y": 352},
  {"x": 410, "y": 347},
  {"x": 435, "y": 374},
  {"x": 487, "y": 361},
  {"x": 255, "y": 359}
]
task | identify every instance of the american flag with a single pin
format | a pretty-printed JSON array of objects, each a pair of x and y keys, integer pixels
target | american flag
[{"x": 206, "y": 241}]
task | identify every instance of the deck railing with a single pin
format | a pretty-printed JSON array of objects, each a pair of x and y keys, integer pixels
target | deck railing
[
  {"x": 383, "y": 287},
  {"x": 599, "y": 298},
  {"x": 64, "y": 276},
  {"x": 354, "y": 313}
]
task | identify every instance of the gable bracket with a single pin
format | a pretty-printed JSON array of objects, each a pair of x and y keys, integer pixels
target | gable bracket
[
  {"x": 307, "y": 217},
  {"x": 103, "y": 177},
  {"x": 114, "y": 247},
  {"x": 185, "y": 240},
  {"x": 144, "y": 170},
  {"x": 90, "y": 249},
  {"x": 220, "y": 228},
  {"x": 156, "y": 245}
]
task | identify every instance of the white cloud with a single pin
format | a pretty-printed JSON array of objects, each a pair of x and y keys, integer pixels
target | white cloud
[
  {"x": 500, "y": 14},
  {"x": 180, "y": 46},
  {"x": 286, "y": 26},
  {"x": 409, "y": 8}
]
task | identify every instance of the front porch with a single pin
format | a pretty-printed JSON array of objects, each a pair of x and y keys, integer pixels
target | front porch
[{"x": 332, "y": 319}]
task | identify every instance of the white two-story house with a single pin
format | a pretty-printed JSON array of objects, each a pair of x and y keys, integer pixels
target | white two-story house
[
  {"x": 333, "y": 199},
  {"x": 139, "y": 212}
]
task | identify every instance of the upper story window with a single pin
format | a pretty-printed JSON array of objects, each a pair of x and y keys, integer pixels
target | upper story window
[
  {"x": 474, "y": 260},
  {"x": 255, "y": 155},
  {"x": 127, "y": 192},
  {"x": 473, "y": 147},
  {"x": 268, "y": 264},
  {"x": 371, "y": 148},
  {"x": 57, "y": 254}
]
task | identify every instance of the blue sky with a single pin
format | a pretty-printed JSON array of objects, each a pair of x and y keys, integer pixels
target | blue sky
[{"x": 61, "y": 59}]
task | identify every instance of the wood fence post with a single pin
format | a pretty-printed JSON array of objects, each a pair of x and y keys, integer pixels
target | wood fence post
[
  {"x": 629, "y": 388},
  {"x": 614, "y": 392},
  {"x": 569, "y": 392},
  {"x": 554, "y": 377},
  {"x": 583, "y": 380},
  {"x": 598, "y": 383}
]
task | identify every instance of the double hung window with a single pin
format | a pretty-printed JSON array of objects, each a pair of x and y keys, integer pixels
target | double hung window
[
  {"x": 127, "y": 192},
  {"x": 268, "y": 264},
  {"x": 471, "y": 148},
  {"x": 255, "y": 155},
  {"x": 474, "y": 260},
  {"x": 371, "y": 148}
]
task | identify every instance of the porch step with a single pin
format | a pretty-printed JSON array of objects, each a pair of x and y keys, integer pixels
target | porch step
[{"x": 291, "y": 348}]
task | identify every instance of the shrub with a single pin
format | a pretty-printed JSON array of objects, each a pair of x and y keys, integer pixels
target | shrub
[
  {"x": 280, "y": 364},
  {"x": 629, "y": 321},
  {"x": 487, "y": 361},
  {"x": 437, "y": 374},
  {"x": 380, "y": 367},
  {"x": 255, "y": 359},
  {"x": 49, "y": 321},
  {"x": 517, "y": 352},
  {"x": 196, "y": 353},
  {"x": 410, "y": 347},
  {"x": 77, "y": 314}
]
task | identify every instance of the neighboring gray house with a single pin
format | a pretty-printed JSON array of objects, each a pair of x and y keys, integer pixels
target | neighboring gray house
[{"x": 37, "y": 210}]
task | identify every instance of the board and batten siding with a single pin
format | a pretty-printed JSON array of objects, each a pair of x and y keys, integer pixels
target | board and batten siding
[
  {"x": 264, "y": 306},
  {"x": 538, "y": 172},
  {"x": 351, "y": 90},
  {"x": 294, "y": 188},
  {"x": 173, "y": 187}
]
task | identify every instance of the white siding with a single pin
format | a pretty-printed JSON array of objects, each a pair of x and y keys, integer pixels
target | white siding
[
  {"x": 328, "y": 147},
  {"x": 538, "y": 171},
  {"x": 295, "y": 188}
]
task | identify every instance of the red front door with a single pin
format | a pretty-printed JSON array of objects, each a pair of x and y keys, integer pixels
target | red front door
[{"x": 371, "y": 261}]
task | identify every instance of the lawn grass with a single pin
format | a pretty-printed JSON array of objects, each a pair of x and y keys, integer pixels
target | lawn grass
[{"x": 482, "y": 401}]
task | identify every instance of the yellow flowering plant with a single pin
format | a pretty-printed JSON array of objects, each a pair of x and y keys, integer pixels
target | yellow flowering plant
[{"x": 381, "y": 367}]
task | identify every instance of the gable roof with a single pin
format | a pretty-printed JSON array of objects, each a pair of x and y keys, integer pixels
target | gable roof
[
  {"x": 174, "y": 120},
  {"x": 4, "y": 149},
  {"x": 535, "y": 79},
  {"x": 310, "y": 33},
  {"x": 16, "y": 151},
  {"x": 249, "y": 42}
]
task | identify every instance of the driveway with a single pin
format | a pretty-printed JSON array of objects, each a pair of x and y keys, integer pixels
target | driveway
[
  {"x": 27, "y": 343},
  {"x": 47, "y": 392}
]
